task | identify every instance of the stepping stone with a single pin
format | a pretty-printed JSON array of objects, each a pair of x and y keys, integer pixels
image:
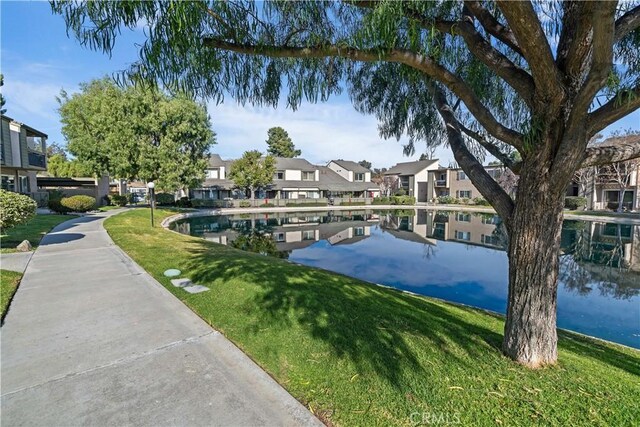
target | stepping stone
[
  {"x": 195, "y": 289},
  {"x": 172, "y": 272},
  {"x": 181, "y": 283}
]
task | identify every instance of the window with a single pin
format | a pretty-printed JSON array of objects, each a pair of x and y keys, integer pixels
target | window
[
  {"x": 358, "y": 231},
  {"x": 308, "y": 235},
  {"x": 461, "y": 176},
  {"x": 308, "y": 176},
  {"x": 463, "y": 194},
  {"x": 24, "y": 184},
  {"x": 358, "y": 176},
  {"x": 463, "y": 235},
  {"x": 494, "y": 219},
  {"x": 9, "y": 182},
  {"x": 213, "y": 173},
  {"x": 279, "y": 237},
  {"x": 279, "y": 175},
  {"x": 463, "y": 217},
  {"x": 489, "y": 240}
]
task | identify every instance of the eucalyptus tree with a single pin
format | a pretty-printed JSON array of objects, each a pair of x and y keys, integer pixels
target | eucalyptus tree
[{"x": 535, "y": 78}]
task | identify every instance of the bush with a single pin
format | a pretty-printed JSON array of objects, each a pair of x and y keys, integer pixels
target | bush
[
  {"x": 207, "y": 203},
  {"x": 165, "y": 199},
  {"x": 352, "y": 204},
  {"x": 400, "y": 192},
  {"x": 447, "y": 200},
  {"x": 107, "y": 199},
  {"x": 267, "y": 205},
  {"x": 403, "y": 200},
  {"x": 55, "y": 206},
  {"x": 480, "y": 201},
  {"x": 79, "y": 203},
  {"x": 380, "y": 201},
  {"x": 301, "y": 205},
  {"x": 55, "y": 195},
  {"x": 575, "y": 202},
  {"x": 245, "y": 204},
  {"x": 15, "y": 209},
  {"x": 183, "y": 202},
  {"x": 119, "y": 200}
]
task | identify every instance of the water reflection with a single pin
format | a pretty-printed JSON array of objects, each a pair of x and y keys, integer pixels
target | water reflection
[{"x": 456, "y": 256}]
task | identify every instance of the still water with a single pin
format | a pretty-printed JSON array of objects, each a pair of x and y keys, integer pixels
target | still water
[{"x": 455, "y": 256}]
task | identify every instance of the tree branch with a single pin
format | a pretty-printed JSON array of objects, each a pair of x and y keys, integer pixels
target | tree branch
[
  {"x": 490, "y": 147},
  {"x": 526, "y": 27},
  {"x": 420, "y": 62},
  {"x": 619, "y": 106},
  {"x": 493, "y": 26},
  {"x": 613, "y": 150},
  {"x": 627, "y": 23},
  {"x": 487, "y": 186}
]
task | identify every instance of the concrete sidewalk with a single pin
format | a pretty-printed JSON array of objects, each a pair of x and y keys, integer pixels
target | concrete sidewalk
[{"x": 92, "y": 339}]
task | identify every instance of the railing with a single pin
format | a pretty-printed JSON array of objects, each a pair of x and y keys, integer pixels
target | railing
[
  {"x": 441, "y": 183},
  {"x": 37, "y": 160},
  {"x": 268, "y": 203}
]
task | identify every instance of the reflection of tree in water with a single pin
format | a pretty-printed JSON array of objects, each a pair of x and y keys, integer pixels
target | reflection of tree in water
[
  {"x": 595, "y": 256},
  {"x": 255, "y": 236}
]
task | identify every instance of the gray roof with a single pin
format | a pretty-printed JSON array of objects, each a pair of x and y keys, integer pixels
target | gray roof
[
  {"x": 283, "y": 163},
  {"x": 410, "y": 168},
  {"x": 351, "y": 166},
  {"x": 221, "y": 184},
  {"x": 216, "y": 161}
]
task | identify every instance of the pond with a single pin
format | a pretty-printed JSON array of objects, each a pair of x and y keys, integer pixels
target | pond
[{"x": 456, "y": 256}]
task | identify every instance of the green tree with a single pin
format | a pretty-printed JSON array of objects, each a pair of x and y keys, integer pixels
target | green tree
[
  {"x": 134, "y": 133},
  {"x": 492, "y": 77},
  {"x": 365, "y": 164},
  {"x": 279, "y": 143},
  {"x": 55, "y": 148},
  {"x": 423, "y": 156},
  {"x": 252, "y": 171},
  {"x": 2, "y": 100}
]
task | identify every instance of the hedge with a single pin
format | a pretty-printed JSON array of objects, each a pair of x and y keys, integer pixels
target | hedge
[
  {"x": 15, "y": 209},
  {"x": 165, "y": 199},
  {"x": 79, "y": 203}
]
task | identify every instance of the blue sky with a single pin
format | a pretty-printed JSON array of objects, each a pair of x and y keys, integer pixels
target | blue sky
[{"x": 38, "y": 60}]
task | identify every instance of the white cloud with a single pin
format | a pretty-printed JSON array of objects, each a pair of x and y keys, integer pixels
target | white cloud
[
  {"x": 31, "y": 99},
  {"x": 322, "y": 131}
]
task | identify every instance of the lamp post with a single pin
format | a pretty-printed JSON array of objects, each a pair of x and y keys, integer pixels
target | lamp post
[{"x": 150, "y": 186}]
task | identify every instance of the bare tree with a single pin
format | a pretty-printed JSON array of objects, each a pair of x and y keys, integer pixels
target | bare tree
[{"x": 619, "y": 174}]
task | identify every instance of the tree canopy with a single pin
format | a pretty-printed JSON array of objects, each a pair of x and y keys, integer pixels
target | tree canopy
[
  {"x": 134, "y": 133},
  {"x": 252, "y": 171},
  {"x": 534, "y": 78},
  {"x": 365, "y": 164},
  {"x": 280, "y": 144}
]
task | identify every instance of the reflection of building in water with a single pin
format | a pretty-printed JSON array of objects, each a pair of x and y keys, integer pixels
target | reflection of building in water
[
  {"x": 289, "y": 231},
  {"x": 414, "y": 226},
  {"x": 467, "y": 227}
]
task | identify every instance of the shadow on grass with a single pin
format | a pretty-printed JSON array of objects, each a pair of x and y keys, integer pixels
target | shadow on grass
[
  {"x": 598, "y": 351},
  {"x": 365, "y": 323}
]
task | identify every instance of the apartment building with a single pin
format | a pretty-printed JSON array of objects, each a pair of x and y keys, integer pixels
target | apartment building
[
  {"x": 22, "y": 155},
  {"x": 455, "y": 183}
]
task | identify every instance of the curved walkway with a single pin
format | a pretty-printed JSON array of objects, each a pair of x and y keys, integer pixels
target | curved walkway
[{"x": 91, "y": 338}]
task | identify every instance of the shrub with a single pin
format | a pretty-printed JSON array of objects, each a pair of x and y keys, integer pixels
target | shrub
[
  {"x": 352, "y": 204},
  {"x": 300, "y": 205},
  {"x": 55, "y": 195},
  {"x": 447, "y": 200},
  {"x": 267, "y": 205},
  {"x": 183, "y": 202},
  {"x": 575, "y": 202},
  {"x": 78, "y": 203},
  {"x": 380, "y": 201},
  {"x": 119, "y": 200},
  {"x": 55, "y": 206},
  {"x": 165, "y": 199},
  {"x": 403, "y": 200},
  {"x": 400, "y": 192},
  {"x": 480, "y": 201},
  {"x": 207, "y": 203},
  {"x": 107, "y": 199},
  {"x": 15, "y": 209},
  {"x": 245, "y": 204}
]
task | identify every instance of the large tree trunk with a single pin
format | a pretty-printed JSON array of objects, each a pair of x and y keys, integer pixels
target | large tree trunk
[{"x": 530, "y": 335}]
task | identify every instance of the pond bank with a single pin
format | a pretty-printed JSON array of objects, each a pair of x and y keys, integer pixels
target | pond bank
[{"x": 335, "y": 342}]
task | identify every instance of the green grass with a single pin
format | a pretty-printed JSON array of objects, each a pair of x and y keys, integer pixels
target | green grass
[
  {"x": 605, "y": 214},
  {"x": 31, "y": 231},
  {"x": 359, "y": 354},
  {"x": 9, "y": 281},
  {"x": 108, "y": 208}
]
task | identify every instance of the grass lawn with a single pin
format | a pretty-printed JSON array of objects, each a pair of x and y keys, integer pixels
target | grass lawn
[
  {"x": 359, "y": 354},
  {"x": 8, "y": 284},
  {"x": 31, "y": 231},
  {"x": 605, "y": 214},
  {"x": 108, "y": 208}
]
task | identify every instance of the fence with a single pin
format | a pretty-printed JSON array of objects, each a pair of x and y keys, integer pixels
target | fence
[{"x": 257, "y": 203}]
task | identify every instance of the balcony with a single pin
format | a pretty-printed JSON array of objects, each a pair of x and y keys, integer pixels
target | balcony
[
  {"x": 441, "y": 183},
  {"x": 37, "y": 160}
]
